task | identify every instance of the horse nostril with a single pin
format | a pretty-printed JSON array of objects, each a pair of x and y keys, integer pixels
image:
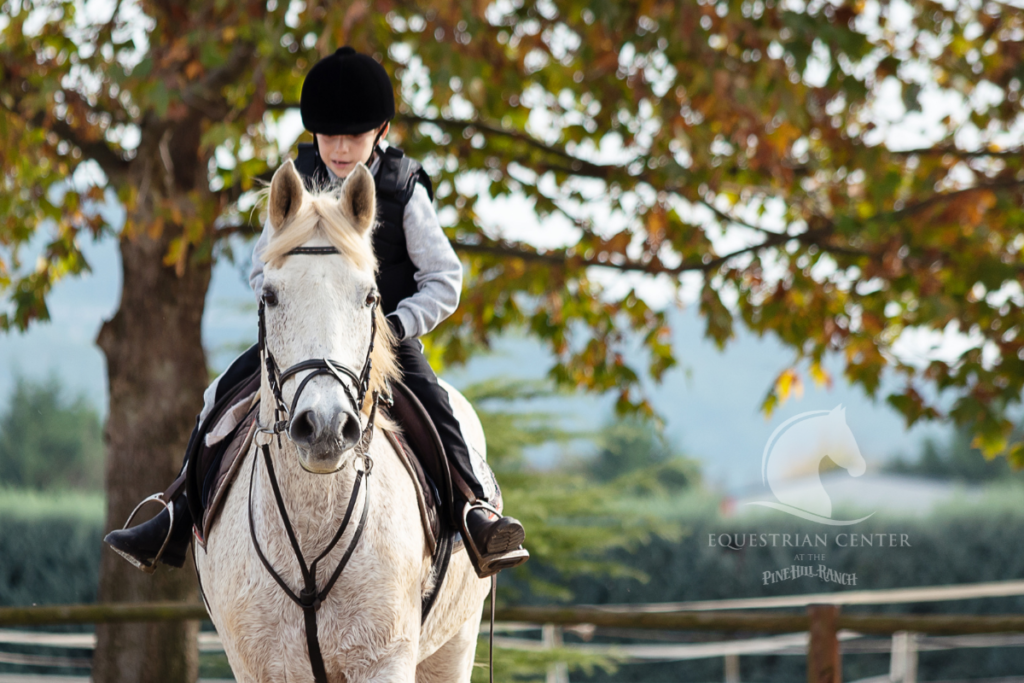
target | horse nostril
[
  {"x": 305, "y": 427},
  {"x": 350, "y": 429}
]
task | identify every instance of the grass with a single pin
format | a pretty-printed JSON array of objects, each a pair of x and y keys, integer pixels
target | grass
[{"x": 40, "y": 505}]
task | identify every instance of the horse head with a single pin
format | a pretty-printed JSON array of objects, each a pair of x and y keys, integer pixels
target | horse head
[{"x": 323, "y": 307}]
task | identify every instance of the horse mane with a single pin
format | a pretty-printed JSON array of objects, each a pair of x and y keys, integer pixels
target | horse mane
[{"x": 320, "y": 215}]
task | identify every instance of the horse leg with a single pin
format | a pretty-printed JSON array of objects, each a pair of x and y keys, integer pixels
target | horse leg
[
  {"x": 394, "y": 664},
  {"x": 453, "y": 661}
]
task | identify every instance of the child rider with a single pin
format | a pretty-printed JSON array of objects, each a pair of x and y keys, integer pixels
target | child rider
[{"x": 347, "y": 102}]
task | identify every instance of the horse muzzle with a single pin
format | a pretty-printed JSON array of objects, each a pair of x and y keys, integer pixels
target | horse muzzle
[{"x": 323, "y": 437}]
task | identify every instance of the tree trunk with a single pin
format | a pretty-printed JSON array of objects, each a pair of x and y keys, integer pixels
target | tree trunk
[{"x": 157, "y": 372}]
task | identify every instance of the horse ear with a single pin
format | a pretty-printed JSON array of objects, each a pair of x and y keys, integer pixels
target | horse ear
[
  {"x": 285, "y": 195},
  {"x": 359, "y": 199}
]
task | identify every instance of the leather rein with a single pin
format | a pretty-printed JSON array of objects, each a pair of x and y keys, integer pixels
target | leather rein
[{"x": 309, "y": 598}]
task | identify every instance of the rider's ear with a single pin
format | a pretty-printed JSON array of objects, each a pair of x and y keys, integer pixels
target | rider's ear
[
  {"x": 285, "y": 195},
  {"x": 359, "y": 199}
]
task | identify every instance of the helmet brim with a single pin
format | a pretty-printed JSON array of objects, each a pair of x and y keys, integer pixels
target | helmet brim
[{"x": 333, "y": 128}]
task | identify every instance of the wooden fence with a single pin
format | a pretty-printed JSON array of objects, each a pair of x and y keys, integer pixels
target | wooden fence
[{"x": 820, "y": 627}]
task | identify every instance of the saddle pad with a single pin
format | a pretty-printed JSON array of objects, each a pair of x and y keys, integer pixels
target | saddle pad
[{"x": 230, "y": 461}]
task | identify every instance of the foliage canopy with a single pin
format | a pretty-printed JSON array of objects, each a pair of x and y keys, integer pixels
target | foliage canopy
[{"x": 753, "y": 150}]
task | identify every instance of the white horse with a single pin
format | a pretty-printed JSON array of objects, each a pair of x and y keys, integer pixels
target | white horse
[{"x": 320, "y": 307}]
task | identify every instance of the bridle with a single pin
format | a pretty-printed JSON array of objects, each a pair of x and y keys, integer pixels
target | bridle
[
  {"x": 310, "y": 598},
  {"x": 320, "y": 366}
]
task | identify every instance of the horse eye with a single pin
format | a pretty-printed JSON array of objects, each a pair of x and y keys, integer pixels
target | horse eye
[
  {"x": 371, "y": 298},
  {"x": 269, "y": 297}
]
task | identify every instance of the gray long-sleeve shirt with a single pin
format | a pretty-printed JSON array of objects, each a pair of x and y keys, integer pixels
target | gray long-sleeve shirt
[{"x": 438, "y": 275}]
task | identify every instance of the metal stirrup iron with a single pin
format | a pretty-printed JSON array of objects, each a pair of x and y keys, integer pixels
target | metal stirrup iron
[{"x": 155, "y": 498}]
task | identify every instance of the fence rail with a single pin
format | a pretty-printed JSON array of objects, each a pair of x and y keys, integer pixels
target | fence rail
[
  {"x": 725, "y": 621},
  {"x": 823, "y": 629}
]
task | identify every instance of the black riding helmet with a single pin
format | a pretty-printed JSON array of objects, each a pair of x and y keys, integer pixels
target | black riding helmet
[{"x": 346, "y": 93}]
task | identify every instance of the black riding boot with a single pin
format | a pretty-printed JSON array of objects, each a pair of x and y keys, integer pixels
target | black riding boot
[
  {"x": 141, "y": 544},
  {"x": 493, "y": 534}
]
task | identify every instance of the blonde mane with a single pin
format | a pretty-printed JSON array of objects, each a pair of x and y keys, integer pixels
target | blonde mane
[{"x": 320, "y": 215}]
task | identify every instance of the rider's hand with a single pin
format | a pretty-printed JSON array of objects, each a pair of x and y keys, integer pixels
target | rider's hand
[{"x": 396, "y": 326}]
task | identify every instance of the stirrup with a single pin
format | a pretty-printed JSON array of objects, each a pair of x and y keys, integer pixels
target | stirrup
[
  {"x": 155, "y": 498},
  {"x": 489, "y": 566}
]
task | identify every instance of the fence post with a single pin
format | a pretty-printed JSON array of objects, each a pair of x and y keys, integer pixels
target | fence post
[
  {"x": 903, "y": 661},
  {"x": 823, "y": 663},
  {"x": 551, "y": 636},
  {"x": 732, "y": 668}
]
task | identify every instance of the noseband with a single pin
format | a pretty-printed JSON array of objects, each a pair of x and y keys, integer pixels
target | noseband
[{"x": 310, "y": 598}]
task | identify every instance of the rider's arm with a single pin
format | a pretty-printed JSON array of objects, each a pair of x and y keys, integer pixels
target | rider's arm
[{"x": 439, "y": 272}]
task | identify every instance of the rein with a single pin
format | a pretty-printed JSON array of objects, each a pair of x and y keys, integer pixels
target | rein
[{"x": 310, "y": 598}]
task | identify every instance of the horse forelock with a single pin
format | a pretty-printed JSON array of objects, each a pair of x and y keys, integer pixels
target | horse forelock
[{"x": 321, "y": 216}]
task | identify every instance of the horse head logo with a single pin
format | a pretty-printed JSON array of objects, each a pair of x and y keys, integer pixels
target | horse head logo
[{"x": 809, "y": 438}]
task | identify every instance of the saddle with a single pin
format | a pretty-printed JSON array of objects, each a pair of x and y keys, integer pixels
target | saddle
[{"x": 226, "y": 438}]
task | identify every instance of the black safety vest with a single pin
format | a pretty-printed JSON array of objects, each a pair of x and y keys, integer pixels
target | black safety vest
[{"x": 395, "y": 180}]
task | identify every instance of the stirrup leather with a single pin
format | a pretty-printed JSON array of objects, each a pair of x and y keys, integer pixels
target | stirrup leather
[
  {"x": 489, "y": 566},
  {"x": 151, "y": 567}
]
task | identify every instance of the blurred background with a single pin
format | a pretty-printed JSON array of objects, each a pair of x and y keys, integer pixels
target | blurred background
[
  {"x": 649, "y": 495},
  {"x": 682, "y": 225}
]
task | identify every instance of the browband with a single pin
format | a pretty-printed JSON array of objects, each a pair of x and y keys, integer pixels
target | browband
[{"x": 313, "y": 250}]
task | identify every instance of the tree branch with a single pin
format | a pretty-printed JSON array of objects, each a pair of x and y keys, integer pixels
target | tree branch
[
  {"x": 723, "y": 216},
  {"x": 113, "y": 164},
  {"x": 960, "y": 153},
  {"x": 233, "y": 193},
  {"x": 280, "y": 106},
  {"x": 577, "y": 166},
  {"x": 946, "y": 196},
  {"x": 95, "y": 148},
  {"x": 247, "y": 228},
  {"x": 562, "y": 257}
]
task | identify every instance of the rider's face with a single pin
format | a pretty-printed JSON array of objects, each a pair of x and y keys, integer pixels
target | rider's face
[{"x": 341, "y": 153}]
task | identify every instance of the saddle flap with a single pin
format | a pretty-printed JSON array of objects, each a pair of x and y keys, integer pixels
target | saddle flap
[
  {"x": 423, "y": 439},
  {"x": 423, "y": 455},
  {"x": 426, "y": 496},
  {"x": 202, "y": 458}
]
